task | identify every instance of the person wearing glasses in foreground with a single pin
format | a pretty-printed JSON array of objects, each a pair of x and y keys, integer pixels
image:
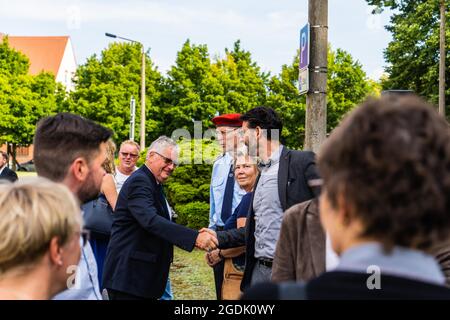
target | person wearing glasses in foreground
[
  {"x": 40, "y": 233},
  {"x": 385, "y": 202},
  {"x": 143, "y": 234}
]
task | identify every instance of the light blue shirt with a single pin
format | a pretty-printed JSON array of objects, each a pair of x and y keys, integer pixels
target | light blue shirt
[
  {"x": 401, "y": 262},
  {"x": 219, "y": 176},
  {"x": 86, "y": 285}
]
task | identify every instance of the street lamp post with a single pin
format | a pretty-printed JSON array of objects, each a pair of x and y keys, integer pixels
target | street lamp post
[
  {"x": 142, "y": 127},
  {"x": 132, "y": 117}
]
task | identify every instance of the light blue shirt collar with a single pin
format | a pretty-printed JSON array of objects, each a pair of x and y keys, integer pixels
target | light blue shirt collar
[
  {"x": 276, "y": 154},
  {"x": 401, "y": 261}
]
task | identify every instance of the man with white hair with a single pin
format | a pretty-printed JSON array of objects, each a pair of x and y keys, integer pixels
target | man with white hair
[{"x": 141, "y": 247}]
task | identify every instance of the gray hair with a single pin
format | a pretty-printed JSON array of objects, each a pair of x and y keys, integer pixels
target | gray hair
[
  {"x": 161, "y": 144},
  {"x": 243, "y": 152}
]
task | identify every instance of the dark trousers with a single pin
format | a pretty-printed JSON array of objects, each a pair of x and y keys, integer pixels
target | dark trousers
[
  {"x": 218, "y": 272},
  {"x": 218, "y": 278},
  {"x": 119, "y": 295}
]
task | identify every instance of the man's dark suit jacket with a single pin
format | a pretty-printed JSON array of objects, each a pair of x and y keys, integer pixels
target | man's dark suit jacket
[
  {"x": 141, "y": 247},
  {"x": 8, "y": 174},
  {"x": 296, "y": 168}
]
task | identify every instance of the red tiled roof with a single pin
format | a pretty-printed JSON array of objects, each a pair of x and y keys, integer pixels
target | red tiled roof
[{"x": 45, "y": 53}]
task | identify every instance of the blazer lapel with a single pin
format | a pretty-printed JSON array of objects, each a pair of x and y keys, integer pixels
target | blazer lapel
[
  {"x": 283, "y": 171},
  {"x": 250, "y": 224},
  {"x": 165, "y": 210}
]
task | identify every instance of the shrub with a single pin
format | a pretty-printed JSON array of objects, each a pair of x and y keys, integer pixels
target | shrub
[{"x": 194, "y": 215}]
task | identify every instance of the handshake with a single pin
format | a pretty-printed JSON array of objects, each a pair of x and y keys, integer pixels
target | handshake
[{"x": 207, "y": 240}]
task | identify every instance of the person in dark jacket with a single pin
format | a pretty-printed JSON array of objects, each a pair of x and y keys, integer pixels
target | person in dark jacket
[
  {"x": 5, "y": 172},
  {"x": 385, "y": 202},
  {"x": 140, "y": 250}
]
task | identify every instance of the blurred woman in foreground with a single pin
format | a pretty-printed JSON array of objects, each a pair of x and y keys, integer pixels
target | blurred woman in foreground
[{"x": 40, "y": 229}]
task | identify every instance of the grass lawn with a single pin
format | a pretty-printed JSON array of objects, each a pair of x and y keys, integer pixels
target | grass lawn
[
  {"x": 191, "y": 277},
  {"x": 21, "y": 174}
]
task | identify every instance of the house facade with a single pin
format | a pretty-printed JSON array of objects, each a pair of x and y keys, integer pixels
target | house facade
[{"x": 52, "y": 54}]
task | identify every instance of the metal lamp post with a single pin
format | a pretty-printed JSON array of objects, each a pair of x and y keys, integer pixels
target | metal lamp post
[{"x": 142, "y": 127}]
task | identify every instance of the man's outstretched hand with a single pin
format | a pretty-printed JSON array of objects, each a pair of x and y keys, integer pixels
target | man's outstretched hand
[{"x": 206, "y": 240}]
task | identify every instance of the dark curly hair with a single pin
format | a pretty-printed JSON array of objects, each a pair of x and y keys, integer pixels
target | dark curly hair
[
  {"x": 390, "y": 161},
  {"x": 264, "y": 117}
]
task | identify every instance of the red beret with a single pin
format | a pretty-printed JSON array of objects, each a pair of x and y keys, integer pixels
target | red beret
[{"x": 228, "y": 120}]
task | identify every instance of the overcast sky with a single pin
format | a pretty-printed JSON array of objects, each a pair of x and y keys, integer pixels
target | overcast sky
[{"x": 269, "y": 29}]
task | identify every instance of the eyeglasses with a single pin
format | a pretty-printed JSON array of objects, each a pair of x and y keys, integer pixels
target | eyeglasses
[
  {"x": 126, "y": 154},
  {"x": 167, "y": 161},
  {"x": 314, "y": 183},
  {"x": 85, "y": 236},
  {"x": 241, "y": 132},
  {"x": 224, "y": 132}
]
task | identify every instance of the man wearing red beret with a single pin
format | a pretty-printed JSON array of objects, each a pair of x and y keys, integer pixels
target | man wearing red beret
[{"x": 225, "y": 192}]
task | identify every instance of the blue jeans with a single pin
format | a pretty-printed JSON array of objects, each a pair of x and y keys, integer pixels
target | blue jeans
[{"x": 167, "y": 295}]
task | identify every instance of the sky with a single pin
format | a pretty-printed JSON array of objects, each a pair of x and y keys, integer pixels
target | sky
[{"x": 269, "y": 29}]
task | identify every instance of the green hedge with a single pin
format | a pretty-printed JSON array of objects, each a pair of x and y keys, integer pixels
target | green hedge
[{"x": 187, "y": 189}]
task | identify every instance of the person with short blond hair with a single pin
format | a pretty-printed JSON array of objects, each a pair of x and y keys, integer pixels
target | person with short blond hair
[
  {"x": 128, "y": 157},
  {"x": 40, "y": 231}
]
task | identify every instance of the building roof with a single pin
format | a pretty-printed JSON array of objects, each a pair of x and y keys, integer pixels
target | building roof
[{"x": 45, "y": 53}]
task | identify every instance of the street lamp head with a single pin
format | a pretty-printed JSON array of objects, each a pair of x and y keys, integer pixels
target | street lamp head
[{"x": 110, "y": 35}]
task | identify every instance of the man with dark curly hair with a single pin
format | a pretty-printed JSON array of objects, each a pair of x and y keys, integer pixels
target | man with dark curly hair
[{"x": 385, "y": 202}]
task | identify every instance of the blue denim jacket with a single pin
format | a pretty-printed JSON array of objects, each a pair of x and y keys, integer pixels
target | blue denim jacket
[{"x": 219, "y": 177}]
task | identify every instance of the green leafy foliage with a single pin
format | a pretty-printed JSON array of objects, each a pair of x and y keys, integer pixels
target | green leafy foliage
[
  {"x": 193, "y": 215},
  {"x": 413, "y": 53},
  {"x": 198, "y": 88},
  {"x": 347, "y": 86},
  {"x": 105, "y": 85}
]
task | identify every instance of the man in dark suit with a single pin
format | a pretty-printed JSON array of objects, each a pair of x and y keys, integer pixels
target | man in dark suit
[
  {"x": 5, "y": 172},
  {"x": 282, "y": 183},
  {"x": 141, "y": 247}
]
